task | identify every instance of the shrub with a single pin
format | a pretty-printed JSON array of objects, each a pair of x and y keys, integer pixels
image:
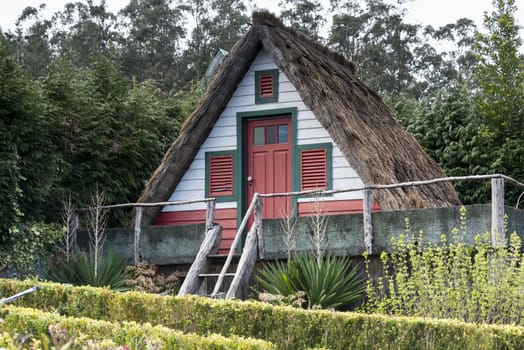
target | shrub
[
  {"x": 43, "y": 329},
  {"x": 328, "y": 282},
  {"x": 27, "y": 249},
  {"x": 80, "y": 270},
  {"x": 287, "y": 327},
  {"x": 450, "y": 280}
]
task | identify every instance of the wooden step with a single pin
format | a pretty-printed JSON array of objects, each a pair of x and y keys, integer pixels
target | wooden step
[{"x": 227, "y": 274}]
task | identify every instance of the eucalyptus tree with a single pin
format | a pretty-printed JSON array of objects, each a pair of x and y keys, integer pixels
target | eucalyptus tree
[
  {"x": 303, "y": 15},
  {"x": 31, "y": 41},
  {"x": 446, "y": 56},
  {"x": 375, "y": 37},
  {"x": 84, "y": 31},
  {"x": 155, "y": 30},
  {"x": 218, "y": 25},
  {"x": 230, "y": 20}
]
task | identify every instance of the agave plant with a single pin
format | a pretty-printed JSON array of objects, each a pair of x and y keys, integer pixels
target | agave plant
[
  {"x": 80, "y": 270},
  {"x": 328, "y": 283}
]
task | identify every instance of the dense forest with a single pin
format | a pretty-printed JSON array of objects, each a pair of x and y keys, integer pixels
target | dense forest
[{"x": 91, "y": 99}]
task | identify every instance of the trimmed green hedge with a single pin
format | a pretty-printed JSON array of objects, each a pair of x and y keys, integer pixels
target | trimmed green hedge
[
  {"x": 135, "y": 336},
  {"x": 286, "y": 327}
]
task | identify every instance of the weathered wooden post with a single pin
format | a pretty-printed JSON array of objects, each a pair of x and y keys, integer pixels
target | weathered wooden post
[
  {"x": 498, "y": 238},
  {"x": 210, "y": 214},
  {"x": 138, "y": 232},
  {"x": 260, "y": 232},
  {"x": 241, "y": 228},
  {"x": 248, "y": 258},
  {"x": 368, "y": 224},
  {"x": 201, "y": 263}
]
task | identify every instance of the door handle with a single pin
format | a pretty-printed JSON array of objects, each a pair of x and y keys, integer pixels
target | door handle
[{"x": 249, "y": 180}]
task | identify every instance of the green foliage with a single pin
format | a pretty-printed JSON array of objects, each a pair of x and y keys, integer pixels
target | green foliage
[
  {"x": 327, "y": 283},
  {"x": 501, "y": 72},
  {"x": 450, "y": 280},
  {"x": 29, "y": 163},
  {"x": 500, "y": 101},
  {"x": 303, "y": 15},
  {"x": 154, "y": 32},
  {"x": 446, "y": 124},
  {"x": 219, "y": 24},
  {"x": 27, "y": 248},
  {"x": 114, "y": 135},
  {"x": 80, "y": 270},
  {"x": 41, "y": 328},
  {"x": 289, "y": 328}
]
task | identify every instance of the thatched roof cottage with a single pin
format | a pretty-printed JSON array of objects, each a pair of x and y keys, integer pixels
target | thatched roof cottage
[{"x": 284, "y": 113}]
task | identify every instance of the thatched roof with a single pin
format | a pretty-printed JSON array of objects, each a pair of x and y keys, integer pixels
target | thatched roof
[{"x": 361, "y": 125}]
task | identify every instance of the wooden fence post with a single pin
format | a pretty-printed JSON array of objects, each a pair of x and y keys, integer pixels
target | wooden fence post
[
  {"x": 201, "y": 263},
  {"x": 498, "y": 238},
  {"x": 368, "y": 224},
  {"x": 210, "y": 214},
  {"x": 138, "y": 231},
  {"x": 260, "y": 231}
]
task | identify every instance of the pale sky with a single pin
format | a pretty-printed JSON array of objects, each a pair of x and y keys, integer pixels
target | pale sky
[{"x": 433, "y": 12}]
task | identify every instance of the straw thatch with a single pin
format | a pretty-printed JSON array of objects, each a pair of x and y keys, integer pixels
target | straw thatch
[{"x": 361, "y": 125}]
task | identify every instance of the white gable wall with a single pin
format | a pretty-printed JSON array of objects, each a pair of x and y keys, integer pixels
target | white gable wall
[{"x": 223, "y": 138}]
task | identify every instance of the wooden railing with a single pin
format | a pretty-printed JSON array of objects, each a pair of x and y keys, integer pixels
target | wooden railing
[
  {"x": 139, "y": 208},
  {"x": 497, "y": 203}
]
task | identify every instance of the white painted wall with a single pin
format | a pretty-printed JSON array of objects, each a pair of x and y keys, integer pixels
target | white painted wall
[{"x": 223, "y": 138}]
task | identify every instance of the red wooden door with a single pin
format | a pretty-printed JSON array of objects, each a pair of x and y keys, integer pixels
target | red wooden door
[{"x": 269, "y": 163}]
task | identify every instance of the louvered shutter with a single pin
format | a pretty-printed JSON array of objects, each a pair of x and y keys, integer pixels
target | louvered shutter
[
  {"x": 266, "y": 86},
  {"x": 313, "y": 169},
  {"x": 221, "y": 176}
]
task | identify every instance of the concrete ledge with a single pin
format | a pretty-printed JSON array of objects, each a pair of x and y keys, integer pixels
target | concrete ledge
[
  {"x": 160, "y": 245},
  {"x": 166, "y": 245},
  {"x": 345, "y": 233}
]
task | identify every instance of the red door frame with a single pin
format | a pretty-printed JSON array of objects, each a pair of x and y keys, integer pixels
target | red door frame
[
  {"x": 269, "y": 165},
  {"x": 242, "y": 119}
]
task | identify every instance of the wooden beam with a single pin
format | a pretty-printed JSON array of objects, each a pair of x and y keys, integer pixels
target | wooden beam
[
  {"x": 397, "y": 185},
  {"x": 260, "y": 232},
  {"x": 210, "y": 215},
  {"x": 368, "y": 223},
  {"x": 498, "y": 238},
  {"x": 201, "y": 263},
  {"x": 241, "y": 228},
  {"x": 245, "y": 266},
  {"x": 138, "y": 232}
]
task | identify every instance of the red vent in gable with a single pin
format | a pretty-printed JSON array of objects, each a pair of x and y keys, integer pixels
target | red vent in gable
[
  {"x": 313, "y": 169},
  {"x": 221, "y": 176},
  {"x": 266, "y": 85}
]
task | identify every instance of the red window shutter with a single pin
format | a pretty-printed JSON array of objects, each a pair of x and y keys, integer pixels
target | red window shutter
[
  {"x": 313, "y": 164},
  {"x": 266, "y": 85},
  {"x": 221, "y": 176}
]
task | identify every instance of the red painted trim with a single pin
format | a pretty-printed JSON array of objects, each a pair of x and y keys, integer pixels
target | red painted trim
[
  {"x": 336, "y": 207},
  {"x": 228, "y": 217},
  {"x": 225, "y": 217}
]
